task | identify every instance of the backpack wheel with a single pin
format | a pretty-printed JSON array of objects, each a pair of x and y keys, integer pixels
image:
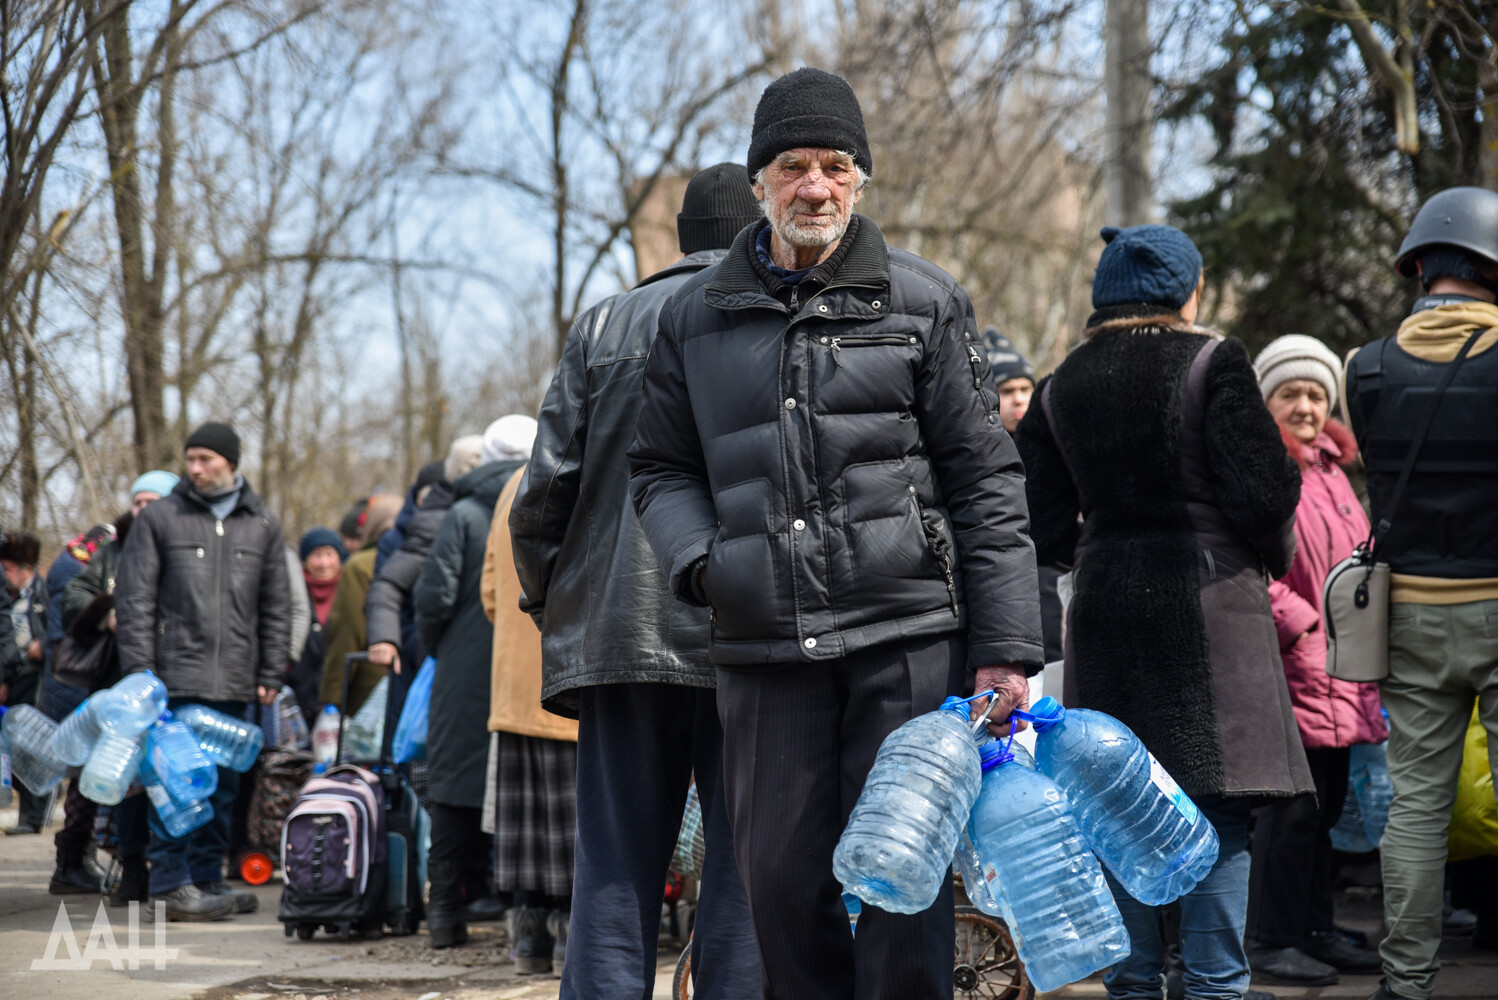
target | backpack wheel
[{"x": 304, "y": 932}]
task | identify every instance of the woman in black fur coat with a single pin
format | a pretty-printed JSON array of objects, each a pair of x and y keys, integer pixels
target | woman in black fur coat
[{"x": 1154, "y": 431}]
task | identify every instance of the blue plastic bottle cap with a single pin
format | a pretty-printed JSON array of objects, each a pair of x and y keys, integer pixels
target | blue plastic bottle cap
[
  {"x": 954, "y": 703},
  {"x": 330, "y": 707},
  {"x": 994, "y": 753},
  {"x": 1047, "y": 712}
]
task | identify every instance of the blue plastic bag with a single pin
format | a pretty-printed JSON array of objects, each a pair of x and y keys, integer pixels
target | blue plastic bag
[{"x": 410, "y": 742}]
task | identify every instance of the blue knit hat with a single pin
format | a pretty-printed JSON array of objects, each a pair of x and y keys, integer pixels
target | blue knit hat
[
  {"x": 156, "y": 481},
  {"x": 316, "y": 539},
  {"x": 1157, "y": 265}
]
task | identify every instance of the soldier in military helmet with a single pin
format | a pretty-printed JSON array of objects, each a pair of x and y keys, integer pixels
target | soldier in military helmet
[{"x": 1440, "y": 539}]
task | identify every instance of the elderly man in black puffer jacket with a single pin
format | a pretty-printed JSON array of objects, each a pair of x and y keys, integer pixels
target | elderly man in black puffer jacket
[
  {"x": 820, "y": 461},
  {"x": 202, "y": 599}
]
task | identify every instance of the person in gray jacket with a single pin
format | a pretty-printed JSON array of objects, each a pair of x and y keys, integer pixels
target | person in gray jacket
[
  {"x": 201, "y": 598},
  {"x": 619, "y": 653}
]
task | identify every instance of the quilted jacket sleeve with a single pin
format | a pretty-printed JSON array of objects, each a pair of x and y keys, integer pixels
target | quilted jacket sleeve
[
  {"x": 136, "y": 583},
  {"x": 435, "y": 596}
]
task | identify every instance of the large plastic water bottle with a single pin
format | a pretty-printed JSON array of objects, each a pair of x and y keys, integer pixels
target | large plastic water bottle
[
  {"x": 135, "y": 702},
  {"x": 366, "y": 729},
  {"x": 6, "y": 791},
  {"x": 1055, "y": 899},
  {"x": 79, "y": 730},
  {"x": 111, "y": 767},
  {"x": 1368, "y": 770},
  {"x": 177, "y": 818},
  {"x": 177, "y": 759},
  {"x": 903, "y": 831},
  {"x": 981, "y": 892},
  {"x": 228, "y": 742},
  {"x": 1147, "y": 831},
  {"x": 32, "y": 761},
  {"x": 325, "y": 735}
]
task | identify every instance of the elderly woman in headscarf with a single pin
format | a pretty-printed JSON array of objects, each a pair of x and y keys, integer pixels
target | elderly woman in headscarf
[{"x": 345, "y": 632}]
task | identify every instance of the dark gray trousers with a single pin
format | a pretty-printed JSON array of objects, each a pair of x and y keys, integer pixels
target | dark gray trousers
[{"x": 798, "y": 742}]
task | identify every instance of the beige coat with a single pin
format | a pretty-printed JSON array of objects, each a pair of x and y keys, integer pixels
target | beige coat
[{"x": 515, "y": 690}]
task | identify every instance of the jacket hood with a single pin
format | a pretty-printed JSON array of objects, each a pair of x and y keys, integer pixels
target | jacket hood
[
  {"x": 1437, "y": 334},
  {"x": 487, "y": 482},
  {"x": 1334, "y": 445},
  {"x": 1140, "y": 317},
  {"x": 439, "y": 497}
]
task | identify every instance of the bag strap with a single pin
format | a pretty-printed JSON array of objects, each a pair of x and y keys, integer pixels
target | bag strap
[
  {"x": 1384, "y": 524},
  {"x": 1050, "y": 419}
]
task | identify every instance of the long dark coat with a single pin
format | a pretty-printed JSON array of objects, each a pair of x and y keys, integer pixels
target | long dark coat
[{"x": 1188, "y": 502}]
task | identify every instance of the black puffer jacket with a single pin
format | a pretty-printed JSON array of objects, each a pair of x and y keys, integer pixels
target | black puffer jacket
[
  {"x": 204, "y": 602},
  {"x": 590, "y": 580},
  {"x": 842, "y": 467},
  {"x": 385, "y": 606}
]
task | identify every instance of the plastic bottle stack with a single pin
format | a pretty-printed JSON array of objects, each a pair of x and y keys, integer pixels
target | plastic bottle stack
[
  {"x": 1054, "y": 899},
  {"x": 178, "y": 761},
  {"x": 1147, "y": 831},
  {"x": 77, "y": 733},
  {"x": 904, "y": 828},
  {"x": 32, "y": 761},
  {"x": 1368, "y": 768},
  {"x": 228, "y": 742},
  {"x": 136, "y": 701},
  {"x": 178, "y": 818},
  {"x": 111, "y": 768}
]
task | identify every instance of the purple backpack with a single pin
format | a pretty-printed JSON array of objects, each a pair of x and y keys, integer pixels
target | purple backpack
[{"x": 333, "y": 845}]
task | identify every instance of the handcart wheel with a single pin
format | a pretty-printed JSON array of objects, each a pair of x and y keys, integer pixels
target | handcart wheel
[
  {"x": 985, "y": 963},
  {"x": 256, "y": 867},
  {"x": 681, "y": 983},
  {"x": 305, "y": 932}
]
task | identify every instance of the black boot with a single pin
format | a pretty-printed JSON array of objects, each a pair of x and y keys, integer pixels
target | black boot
[
  {"x": 445, "y": 920},
  {"x": 72, "y": 879},
  {"x": 533, "y": 943},
  {"x": 135, "y": 882}
]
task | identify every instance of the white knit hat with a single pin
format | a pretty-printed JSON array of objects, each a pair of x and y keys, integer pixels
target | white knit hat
[
  {"x": 1296, "y": 356},
  {"x": 509, "y": 437}
]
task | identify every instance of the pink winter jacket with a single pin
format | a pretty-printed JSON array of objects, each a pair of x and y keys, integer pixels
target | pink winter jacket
[{"x": 1329, "y": 523}]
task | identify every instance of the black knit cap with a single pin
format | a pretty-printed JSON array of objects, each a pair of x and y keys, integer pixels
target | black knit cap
[
  {"x": 218, "y": 438},
  {"x": 810, "y": 108},
  {"x": 718, "y": 203}
]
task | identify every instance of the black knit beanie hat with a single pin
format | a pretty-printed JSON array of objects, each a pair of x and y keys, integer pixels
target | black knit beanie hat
[
  {"x": 1006, "y": 362},
  {"x": 718, "y": 203},
  {"x": 218, "y": 438},
  {"x": 812, "y": 108}
]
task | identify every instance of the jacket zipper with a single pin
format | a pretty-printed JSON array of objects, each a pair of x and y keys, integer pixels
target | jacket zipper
[
  {"x": 975, "y": 361},
  {"x": 886, "y": 340},
  {"x": 939, "y": 546},
  {"x": 218, "y": 636}
]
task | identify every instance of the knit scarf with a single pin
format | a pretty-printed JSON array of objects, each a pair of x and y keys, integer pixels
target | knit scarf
[
  {"x": 1438, "y": 334},
  {"x": 321, "y": 592}
]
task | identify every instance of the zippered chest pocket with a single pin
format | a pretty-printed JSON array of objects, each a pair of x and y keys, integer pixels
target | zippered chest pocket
[{"x": 838, "y": 343}]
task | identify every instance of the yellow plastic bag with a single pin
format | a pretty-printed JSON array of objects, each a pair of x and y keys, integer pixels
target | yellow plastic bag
[{"x": 1474, "y": 818}]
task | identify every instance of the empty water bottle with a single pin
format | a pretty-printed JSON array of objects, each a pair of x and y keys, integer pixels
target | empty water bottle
[
  {"x": 1054, "y": 897},
  {"x": 366, "y": 729},
  {"x": 111, "y": 768},
  {"x": 1143, "y": 827},
  {"x": 176, "y": 758},
  {"x": 176, "y": 817},
  {"x": 79, "y": 730},
  {"x": 136, "y": 701},
  {"x": 294, "y": 733},
  {"x": 325, "y": 735},
  {"x": 228, "y": 742},
  {"x": 903, "y": 832},
  {"x": 980, "y": 891},
  {"x": 6, "y": 791},
  {"x": 1368, "y": 770},
  {"x": 32, "y": 761}
]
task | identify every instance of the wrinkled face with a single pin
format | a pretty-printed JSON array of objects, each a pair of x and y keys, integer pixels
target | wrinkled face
[
  {"x": 808, "y": 195},
  {"x": 17, "y": 575},
  {"x": 138, "y": 503},
  {"x": 1300, "y": 406},
  {"x": 1014, "y": 401},
  {"x": 208, "y": 470},
  {"x": 322, "y": 563}
]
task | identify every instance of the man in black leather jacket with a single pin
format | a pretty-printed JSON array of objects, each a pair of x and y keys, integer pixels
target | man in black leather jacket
[
  {"x": 820, "y": 460},
  {"x": 619, "y": 653}
]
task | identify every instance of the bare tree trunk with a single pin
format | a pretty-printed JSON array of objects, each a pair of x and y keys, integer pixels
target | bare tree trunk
[
  {"x": 1129, "y": 123},
  {"x": 560, "y": 195}
]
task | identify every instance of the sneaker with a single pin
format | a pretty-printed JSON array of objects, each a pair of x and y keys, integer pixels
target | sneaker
[
  {"x": 1336, "y": 951},
  {"x": 188, "y": 902},
  {"x": 20, "y": 830},
  {"x": 245, "y": 901},
  {"x": 1289, "y": 967},
  {"x": 72, "y": 880}
]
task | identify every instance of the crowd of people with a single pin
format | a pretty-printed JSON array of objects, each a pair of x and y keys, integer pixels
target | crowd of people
[{"x": 783, "y": 496}]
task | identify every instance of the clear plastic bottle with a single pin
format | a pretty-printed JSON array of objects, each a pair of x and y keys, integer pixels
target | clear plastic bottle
[
  {"x": 77, "y": 733},
  {"x": 367, "y": 727},
  {"x": 176, "y": 817},
  {"x": 1147, "y": 831},
  {"x": 325, "y": 735},
  {"x": 903, "y": 831},
  {"x": 294, "y": 733},
  {"x": 111, "y": 767},
  {"x": 1368, "y": 768},
  {"x": 32, "y": 761},
  {"x": 981, "y": 892},
  {"x": 228, "y": 742},
  {"x": 188, "y": 773},
  {"x": 7, "y": 792},
  {"x": 136, "y": 701},
  {"x": 1054, "y": 899}
]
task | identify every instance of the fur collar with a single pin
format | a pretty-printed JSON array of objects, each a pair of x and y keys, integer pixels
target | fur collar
[
  {"x": 1334, "y": 445},
  {"x": 1140, "y": 317}
]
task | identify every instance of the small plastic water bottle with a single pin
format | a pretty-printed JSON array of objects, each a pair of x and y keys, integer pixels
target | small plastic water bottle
[
  {"x": 177, "y": 818},
  {"x": 1147, "y": 831},
  {"x": 178, "y": 761},
  {"x": 325, "y": 735},
  {"x": 228, "y": 742},
  {"x": 111, "y": 767},
  {"x": 981, "y": 892},
  {"x": 32, "y": 761},
  {"x": 78, "y": 731},
  {"x": 1054, "y": 899},
  {"x": 6, "y": 790},
  {"x": 294, "y": 732},
  {"x": 1368, "y": 767},
  {"x": 903, "y": 831},
  {"x": 136, "y": 701}
]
